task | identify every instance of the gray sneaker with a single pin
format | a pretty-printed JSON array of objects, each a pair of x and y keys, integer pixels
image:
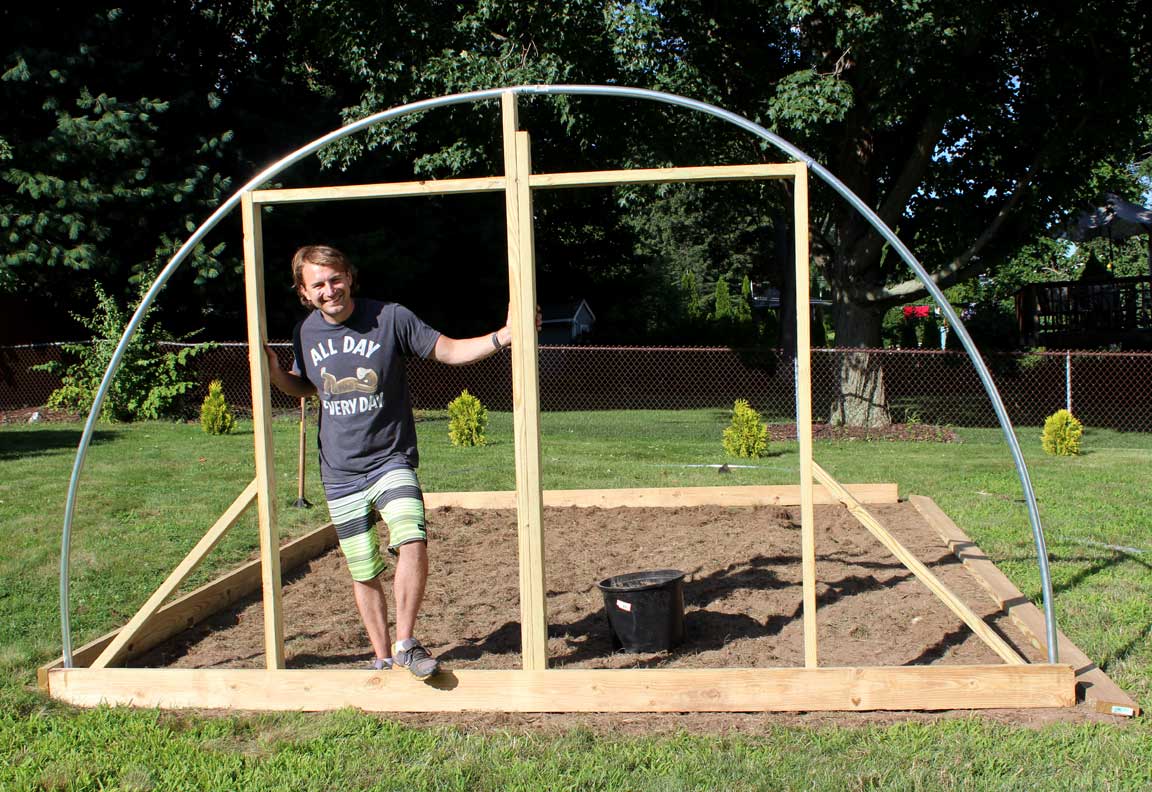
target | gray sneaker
[
  {"x": 382, "y": 664},
  {"x": 416, "y": 659}
]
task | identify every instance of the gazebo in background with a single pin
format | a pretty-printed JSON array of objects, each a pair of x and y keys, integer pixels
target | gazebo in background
[{"x": 1099, "y": 309}]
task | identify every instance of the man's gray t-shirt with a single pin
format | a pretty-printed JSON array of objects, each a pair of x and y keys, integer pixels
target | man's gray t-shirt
[{"x": 366, "y": 423}]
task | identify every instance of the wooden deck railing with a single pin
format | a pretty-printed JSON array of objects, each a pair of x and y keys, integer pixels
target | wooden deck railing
[{"x": 1117, "y": 305}]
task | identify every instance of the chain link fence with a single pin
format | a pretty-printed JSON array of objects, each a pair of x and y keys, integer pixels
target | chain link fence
[{"x": 1103, "y": 389}]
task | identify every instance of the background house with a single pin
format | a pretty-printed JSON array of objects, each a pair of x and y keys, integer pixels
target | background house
[{"x": 566, "y": 323}]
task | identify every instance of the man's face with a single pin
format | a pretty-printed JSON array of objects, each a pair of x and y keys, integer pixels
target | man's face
[{"x": 328, "y": 290}]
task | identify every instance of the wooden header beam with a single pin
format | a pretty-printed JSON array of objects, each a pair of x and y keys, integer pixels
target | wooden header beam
[
  {"x": 709, "y": 173},
  {"x": 703, "y": 173}
]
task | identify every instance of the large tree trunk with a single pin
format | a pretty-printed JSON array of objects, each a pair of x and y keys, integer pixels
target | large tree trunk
[{"x": 860, "y": 399}]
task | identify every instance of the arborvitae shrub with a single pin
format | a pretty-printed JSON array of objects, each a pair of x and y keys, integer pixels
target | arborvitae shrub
[
  {"x": 215, "y": 416},
  {"x": 1062, "y": 434},
  {"x": 747, "y": 436},
  {"x": 467, "y": 420}
]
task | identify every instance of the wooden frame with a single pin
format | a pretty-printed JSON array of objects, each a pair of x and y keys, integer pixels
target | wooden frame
[
  {"x": 649, "y": 690},
  {"x": 535, "y": 688}
]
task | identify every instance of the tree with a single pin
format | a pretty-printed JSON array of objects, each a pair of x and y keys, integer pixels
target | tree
[
  {"x": 969, "y": 127},
  {"x": 125, "y": 127},
  {"x": 722, "y": 303}
]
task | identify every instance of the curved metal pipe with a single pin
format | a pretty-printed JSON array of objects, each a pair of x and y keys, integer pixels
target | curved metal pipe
[{"x": 571, "y": 90}]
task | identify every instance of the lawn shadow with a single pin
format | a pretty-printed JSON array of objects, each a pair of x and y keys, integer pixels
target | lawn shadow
[{"x": 24, "y": 443}]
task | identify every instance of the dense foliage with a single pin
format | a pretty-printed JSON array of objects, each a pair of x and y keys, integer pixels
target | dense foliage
[{"x": 151, "y": 381}]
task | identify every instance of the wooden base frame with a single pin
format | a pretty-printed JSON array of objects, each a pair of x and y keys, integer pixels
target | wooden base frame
[{"x": 599, "y": 690}]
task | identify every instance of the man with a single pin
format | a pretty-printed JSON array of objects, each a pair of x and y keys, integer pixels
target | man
[{"x": 350, "y": 351}]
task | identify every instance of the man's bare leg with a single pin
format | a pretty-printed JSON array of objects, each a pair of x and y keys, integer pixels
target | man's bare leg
[
  {"x": 408, "y": 586},
  {"x": 373, "y": 607}
]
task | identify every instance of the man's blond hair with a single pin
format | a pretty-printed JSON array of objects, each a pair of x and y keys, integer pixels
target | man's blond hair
[{"x": 324, "y": 255}]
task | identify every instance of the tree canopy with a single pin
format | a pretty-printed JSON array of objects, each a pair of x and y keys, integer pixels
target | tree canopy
[{"x": 972, "y": 128}]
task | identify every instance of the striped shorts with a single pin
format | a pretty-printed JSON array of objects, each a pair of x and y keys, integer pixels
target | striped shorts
[{"x": 397, "y": 496}]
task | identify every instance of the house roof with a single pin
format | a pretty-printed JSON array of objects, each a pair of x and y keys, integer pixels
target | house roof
[{"x": 564, "y": 312}]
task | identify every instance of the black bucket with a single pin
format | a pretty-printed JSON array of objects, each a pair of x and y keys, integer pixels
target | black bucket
[{"x": 645, "y": 610}]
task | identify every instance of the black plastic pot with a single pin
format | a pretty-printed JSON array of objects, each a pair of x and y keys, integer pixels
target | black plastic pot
[{"x": 645, "y": 610}]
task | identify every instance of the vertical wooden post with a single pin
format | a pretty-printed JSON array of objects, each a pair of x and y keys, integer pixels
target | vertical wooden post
[
  {"x": 525, "y": 389},
  {"x": 262, "y": 429},
  {"x": 804, "y": 411}
]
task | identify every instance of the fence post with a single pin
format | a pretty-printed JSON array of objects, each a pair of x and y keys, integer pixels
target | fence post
[{"x": 1068, "y": 381}]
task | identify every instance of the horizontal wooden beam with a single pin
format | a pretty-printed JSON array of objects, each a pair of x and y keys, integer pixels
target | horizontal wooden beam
[
  {"x": 782, "y": 495},
  {"x": 352, "y": 192},
  {"x": 197, "y": 605},
  {"x": 615, "y": 690},
  {"x": 393, "y": 190},
  {"x": 1099, "y": 691},
  {"x": 665, "y": 175}
]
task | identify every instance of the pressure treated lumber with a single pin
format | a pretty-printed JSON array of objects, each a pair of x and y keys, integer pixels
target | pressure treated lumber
[
  {"x": 262, "y": 431},
  {"x": 535, "y": 181},
  {"x": 1098, "y": 690},
  {"x": 178, "y": 575},
  {"x": 600, "y": 690},
  {"x": 390, "y": 190},
  {"x": 804, "y": 415},
  {"x": 525, "y": 389},
  {"x": 196, "y": 606},
  {"x": 780, "y": 495},
  {"x": 922, "y": 573},
  {"x": 666, "y": 175}
]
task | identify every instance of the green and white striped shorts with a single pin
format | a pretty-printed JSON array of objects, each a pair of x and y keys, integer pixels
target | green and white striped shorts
[{"x": 397, "y": 496}]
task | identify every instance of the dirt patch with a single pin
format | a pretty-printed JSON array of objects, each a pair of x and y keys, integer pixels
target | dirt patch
[
  {"x": 742, "y": 604},
  {"x": 902, "y": 432},
  {"x": 25, "y": 415}
]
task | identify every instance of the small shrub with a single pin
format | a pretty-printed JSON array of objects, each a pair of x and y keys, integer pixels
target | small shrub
[
  {"x": 467, "y": 420},
  {"x": 150, "y": 383},
  {"x": 1062, "y": 434},
  {"x": 747, "y": 436},
  {"x": 215, "y": 416}
]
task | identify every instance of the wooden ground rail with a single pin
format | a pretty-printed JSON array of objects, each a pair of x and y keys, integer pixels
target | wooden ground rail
[{"x": 569, "y": 690}]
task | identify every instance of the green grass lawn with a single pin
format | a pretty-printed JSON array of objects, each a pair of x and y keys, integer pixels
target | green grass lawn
[{"x": 150, "y": 490}]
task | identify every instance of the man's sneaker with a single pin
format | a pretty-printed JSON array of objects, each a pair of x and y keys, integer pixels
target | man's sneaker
[
  {"x": 382, "y": 664},
  {"x": 415, "y": 658}
]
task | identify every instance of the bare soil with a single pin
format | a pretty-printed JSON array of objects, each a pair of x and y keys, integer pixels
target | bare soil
[{"x": 742, "y": 598}]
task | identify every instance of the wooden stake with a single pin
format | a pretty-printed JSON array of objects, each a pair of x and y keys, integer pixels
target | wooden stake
[
  {"x": 262, "y": 429},
  {"x": 804, "y": 412},
  {"x": 917, "y": 568},
  {"x": 525, "y": 390},
  {"x": 178, "y": 575}
]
